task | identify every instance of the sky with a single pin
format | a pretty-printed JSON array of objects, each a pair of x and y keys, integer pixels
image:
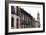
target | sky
[{"x": 32, "y": 10}]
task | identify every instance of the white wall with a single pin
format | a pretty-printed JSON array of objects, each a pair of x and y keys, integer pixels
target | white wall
[{"x": 2, "y": 17}]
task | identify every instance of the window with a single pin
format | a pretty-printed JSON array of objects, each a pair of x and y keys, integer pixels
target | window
[
  {"x": 12, "y": 10},
  {"x": 17, "y": 23},
  {"x": 12, "y": 22},
  {"x": 18, "y": 10}
]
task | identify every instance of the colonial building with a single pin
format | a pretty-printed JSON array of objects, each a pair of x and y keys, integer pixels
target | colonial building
[{"x": 21, "y": 19}]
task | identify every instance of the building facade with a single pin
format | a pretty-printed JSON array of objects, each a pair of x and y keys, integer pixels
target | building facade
[{"x": 21, "y": 19}]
